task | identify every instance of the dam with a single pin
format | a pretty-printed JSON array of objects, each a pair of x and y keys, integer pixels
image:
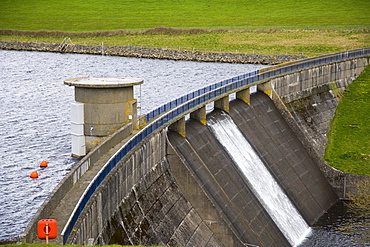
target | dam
[{"x": 175, "y": 182}]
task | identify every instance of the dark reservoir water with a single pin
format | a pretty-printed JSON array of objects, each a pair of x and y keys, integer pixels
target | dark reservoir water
[{"x": 339, "y": 227}]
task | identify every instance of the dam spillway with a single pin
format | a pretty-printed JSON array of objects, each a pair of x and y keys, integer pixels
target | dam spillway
[
  {"x": 261, "y": 182},
  {"x": 223, "y": 182}
]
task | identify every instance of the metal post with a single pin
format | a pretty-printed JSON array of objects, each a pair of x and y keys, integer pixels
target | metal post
[{"x": 47, "y": 233}]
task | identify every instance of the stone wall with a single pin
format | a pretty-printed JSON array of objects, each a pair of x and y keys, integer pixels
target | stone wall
[
  {"x": 308, "y": 100},
  {"x": 312, "y": 95},
  {"x": 145, "y": 52}
]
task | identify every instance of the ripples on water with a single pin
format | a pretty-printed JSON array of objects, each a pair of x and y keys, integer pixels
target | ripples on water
[
  {"x": 338, "y": 227},
  {"x": 35, "y": 122}
]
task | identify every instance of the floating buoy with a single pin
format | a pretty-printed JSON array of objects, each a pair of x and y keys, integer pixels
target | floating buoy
[
  {"x": 34, "y": 175},
  {"x": 44, "y": 164}
]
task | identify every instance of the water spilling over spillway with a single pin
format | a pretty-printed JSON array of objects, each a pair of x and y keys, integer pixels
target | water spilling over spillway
[{"x": 261, "y": 182}]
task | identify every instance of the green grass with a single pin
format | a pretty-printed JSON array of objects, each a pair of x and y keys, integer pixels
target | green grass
[
  {"x": 73, "y": 15},
  {"x": 348, "y": 147}
]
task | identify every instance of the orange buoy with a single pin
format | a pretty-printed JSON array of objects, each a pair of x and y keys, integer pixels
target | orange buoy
[
  {"x": 44, "y": 164},
  {"x": 34, "y": 175}
]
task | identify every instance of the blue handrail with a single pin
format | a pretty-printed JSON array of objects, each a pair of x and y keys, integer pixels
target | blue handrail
[
  {"x": 174, "y": 109},
  {"x": 158, "y": 111}
]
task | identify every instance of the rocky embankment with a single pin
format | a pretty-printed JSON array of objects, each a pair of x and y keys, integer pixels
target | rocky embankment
[{"x": 145, "y": 52}]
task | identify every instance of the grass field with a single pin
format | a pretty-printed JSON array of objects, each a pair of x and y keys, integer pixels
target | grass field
[
  {"x": 72, "y": 15},
  {"x": 348, "y": 148}
]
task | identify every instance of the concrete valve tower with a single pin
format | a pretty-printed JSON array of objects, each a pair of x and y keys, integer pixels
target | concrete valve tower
[{"x": 102, "y": 106}]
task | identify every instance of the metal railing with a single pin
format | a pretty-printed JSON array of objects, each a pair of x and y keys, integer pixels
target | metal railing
[
  {"x": 171, "y": 111},
  {"x": 174, "y": 103}
]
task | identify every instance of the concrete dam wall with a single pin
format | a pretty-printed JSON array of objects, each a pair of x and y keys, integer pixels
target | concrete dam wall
[
  {"x": 307, "y": 100},
  {"x": 227, "y": 190},
  {"x": 142, "y": 204},
  {"x": 174, "y": 183},
  {"x": 189, "y": 192}
]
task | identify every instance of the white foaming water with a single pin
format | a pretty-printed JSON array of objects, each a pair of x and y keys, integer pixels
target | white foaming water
[{"x": 264, "y": 186}]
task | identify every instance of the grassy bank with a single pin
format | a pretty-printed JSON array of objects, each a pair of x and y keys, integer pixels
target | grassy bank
[
  {"x": 70, "y": 15},
  {"x": 348, "y": 147}
]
